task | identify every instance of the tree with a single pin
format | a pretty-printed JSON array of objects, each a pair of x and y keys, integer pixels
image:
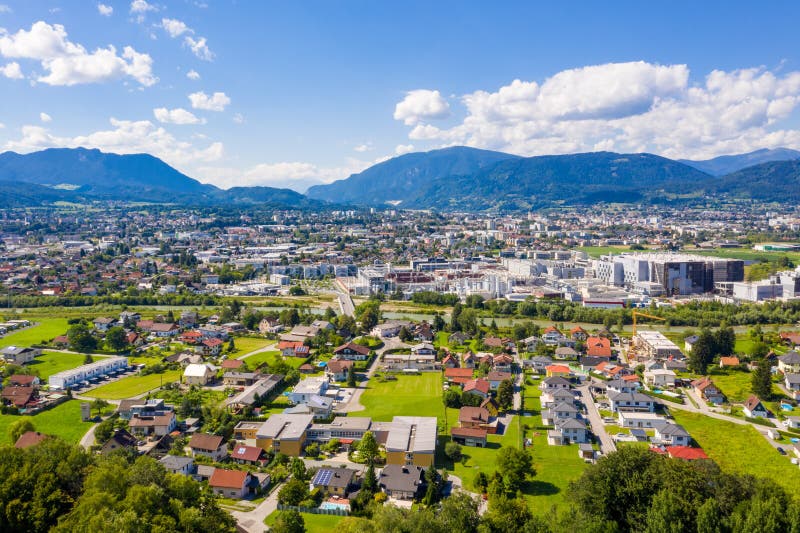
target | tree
[
  {"x": 405, "y": 335},
  {"x": 438, "y": 322},
  {"x": 98, "y": 405},
  {"x": 370, "y": 483},
  {"x": 453, "y": 451},
  {"x": 296, "y": 290},
  {"x": 19, "y": 427},
  {"x": 351, "y": 377},
  {"x": 368, "y": 448},
  {"x": 452, "y": 398},
  {"x": 724, "y": 341},
  {"x": 761, "y": 380},
  {"x": 289, "y": 521},
  {"x": 116, "y": 338},
  {"x": 293, "y": 492},
  {"x": 505, "y": 394},
  {"x": 231, "y": 346},
  {"x": 702, "y": 353},
  {"x": 103, "y": 431},
  {"x": 81, "y": 339},
  {"x": 432, "y": 491},
  {"x": 298, "y": 469},
  {"x": 514, "y": 466}
]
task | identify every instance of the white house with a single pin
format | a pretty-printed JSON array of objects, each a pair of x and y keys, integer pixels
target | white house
[
  {"x": 632, "y": 419},
  {"x": 673, "y": 435},
  {"x": 198, "y": 374},
  {"x": 659, "y": 377}
]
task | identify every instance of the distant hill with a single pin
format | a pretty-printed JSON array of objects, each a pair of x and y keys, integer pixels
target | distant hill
[
  {"x": 777, "y": 181},
  {"x": 525, "y": 183},
  {"x": 402, "y": 177},
  {"x": 80, "y": 174},
  {"x": 726, "y": 164}
]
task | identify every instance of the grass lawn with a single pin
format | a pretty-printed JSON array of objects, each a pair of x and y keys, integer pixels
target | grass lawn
[
  {"x": 315, "y": 523},
  {"x": 744, "y": 344},
  {"x": 419, "y": 395},
  {"x": 245, "y": 345},
  {"x": 739, "y": 448},
  {"x": 63, "y": 420},
  {"x": 735, "y": 385},
  {"x": 133, "y": 385},
  {"x": 272, "y": 357},
  {"x": 45, "y": 330},
  {"x": 50, "y": 363}
]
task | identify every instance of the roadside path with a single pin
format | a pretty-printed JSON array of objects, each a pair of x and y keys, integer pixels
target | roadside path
[
  {"x": 253, "y": 521},
  {"x": 355, "y": 400},
  {"x": 607, "y": 444}
]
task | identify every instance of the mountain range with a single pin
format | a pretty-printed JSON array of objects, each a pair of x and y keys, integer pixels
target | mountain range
[{"x": 456, "y": 178}]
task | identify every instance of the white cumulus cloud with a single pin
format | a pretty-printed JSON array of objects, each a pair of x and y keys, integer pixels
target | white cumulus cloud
[
  {"x": 12, "y": 71},
  {"x": 199, "y": 47},
  {"x": 105, "y": 10},
  {"x": 174, "y": 27},
  {"x": 363, "y": 147},
  {"x": 193, "y": 75},
  {"x": 419, "y": 105},
  {"x": 625, "y": 107},
  {"x": 176, "y": 116},
  {"x": 401, "y": 149},
  {"x": 141, "y": 6},
  {"x": 216, "y": 102},
  {"x": 44, "y": 117},
  {"x": 68, "y": 63}
]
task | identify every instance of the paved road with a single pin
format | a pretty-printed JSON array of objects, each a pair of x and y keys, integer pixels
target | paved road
[
  {"x": 88, "y": 439},
  {"x": 346, "y": 306},
  {"x": 607, "y": 444},
  {"x": 253, "y": 521}
]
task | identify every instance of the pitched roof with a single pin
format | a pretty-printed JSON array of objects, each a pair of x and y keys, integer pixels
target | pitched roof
[
  {"x": 729, "y": 361},
  {"x": 469, "y": 432},
  {"x": 686, "y": 452},
  {"x": 229, "y": 479},
  {"x": 790, "y": 358},
  {"x": 752, "y": 403},
  {"x": 363, "y": 350},
  {"x": 232, "y": 363},
  {"x": 458, "y": 372},
  {"x": 246, "y": 453},
  {"x": 598, "y": 347},
  {"x": 204, "y": 441},
  {"x": 480, "y": 385},
  {"x": 473, "y": 414},
  {"x": 29, "y": 438}
]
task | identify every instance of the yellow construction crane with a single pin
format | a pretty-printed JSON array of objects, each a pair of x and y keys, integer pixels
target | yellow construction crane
[{"x": 639, "y": 313}]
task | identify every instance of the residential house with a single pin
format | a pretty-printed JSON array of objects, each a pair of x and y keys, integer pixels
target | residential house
[
  {"x": 388, "y": 330},
  {"x": 320, "y": 407},
  {"x": 553, "y": 337},
  {"x": 568, "y": 431},
  {"x": 688, "y": 343},
  {"x": 24, "y": 380},
  {"x": 496, "y": 378},
  {"x": 754, "y": 408},
  {"x": 120, "y": 440},
  {"x": 732, "y": 361},
  {"x": 708, "y": 391},
  {"x": 270, "y": 325},
  {"x": 553, "y": 383},
  {"x": 334, "y": 481},
  {"x": 450, "y": 361},
  {"x": 337, "y": 370},
  {"x": 538, "y": 363},
  {"x": 479, "y": 387},
  {"x": 153, "y": 424},
  {"x": 289, "y": 348},
  {"x": 474, "y": 437},
  {"x": 229, "y": 483},
  {"x": 164, "y": 330},
  {"x": 29, "y": 438},
  {"x": 178, "y": 464},
  {"x": 789, "y": 363},
  {"x": 352, "y": 352},
  {"x": 562, "y": 371},
  {"x": 412, "y": 361},
  {"x": 792, "y": 383},
  {"x": 578, "y": 334},
  {"x": 210, "y": 347},
  {"x": 240, "y": 379},
  {"x": 211, "y": 446},
  {"x": 198, "y": 374},
  {"x": 20, "y": 397},
  {"x": 686, "y": 453},
  {"x": 232, "y": 365},
  {"x": 19, "y": 355},
  {"x": 402, "y": 482},
  {"x": 191, "y": 337},
  {"x": 246, "y": 430},
  {"x": 598, "y": 347},
  {"x": 503, "y": 362},
  {"x": 251, "y": 455},
  {"x": 104, "y": 323},
  {"x": 559, "y": 411},
  {"x": 672, "y": 435},
  {"x": 556, "y": 396},
  {"x": 637, "y": 419},
  {"x": 565, "y": 353},
  {"x": 631, "y": 401},
  {"x": 476, "y": 417},
  {"x": 659, "y": 377},
  {"x": 308, "y": 387},
  {"x": 468, "y": 360},
  {"x": 458, "y": 375},
  {"x": 459, "y": 337}
]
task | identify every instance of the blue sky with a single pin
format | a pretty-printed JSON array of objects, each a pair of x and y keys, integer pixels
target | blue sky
[{"x": 295, "y": 93}]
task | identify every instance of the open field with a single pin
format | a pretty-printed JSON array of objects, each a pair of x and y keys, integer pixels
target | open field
[
  {"x": 315, "y": 523},
  {"x": 44, "y": 330},
  {"x": 735, "y": 385},
  {"x": 271, "y": 357},
  {"x": 409, "y": 395},
  {"x": 739, "y": 448},
  {"x": 62, "y": 420},
  {"x": 597, "y": 251},
  {"x": 746, "y": 254},
  {"x": 50, "y": 363},
  {"x": 133, "y": 385},
  {"x": 245, "y": 345}
]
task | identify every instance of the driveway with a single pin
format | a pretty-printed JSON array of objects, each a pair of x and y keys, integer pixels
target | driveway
[
  {"x": 253, "y": 521},
  {"x": 355, "y": 399},
  {"x": 595, "y": 420}
]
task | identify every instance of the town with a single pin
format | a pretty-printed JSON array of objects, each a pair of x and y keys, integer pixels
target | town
[{"x": 329, "y": 363}]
